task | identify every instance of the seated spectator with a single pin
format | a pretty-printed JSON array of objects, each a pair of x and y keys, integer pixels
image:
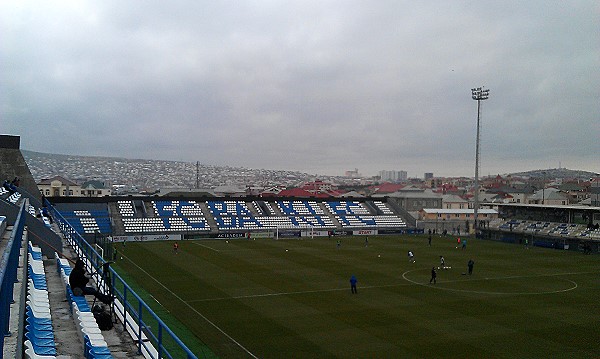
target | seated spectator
[
  {"x": 78, "y": 281},
  {"x": 46, "y": 214}
]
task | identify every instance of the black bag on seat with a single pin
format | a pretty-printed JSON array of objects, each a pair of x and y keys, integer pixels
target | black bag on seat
[{"x": 103, "y": 318}]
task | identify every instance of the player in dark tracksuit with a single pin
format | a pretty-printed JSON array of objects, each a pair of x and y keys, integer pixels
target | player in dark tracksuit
[
  {"x": 470, "y": 266},
  {"x": 433, "y": 276},
  {"x": 353, "y": 281}
]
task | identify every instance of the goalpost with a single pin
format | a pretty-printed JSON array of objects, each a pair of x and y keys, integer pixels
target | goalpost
[{"x": 100, "y": 250}]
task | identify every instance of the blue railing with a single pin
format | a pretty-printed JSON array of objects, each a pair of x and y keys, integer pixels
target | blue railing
[
  {"x": 138, "y": 318},
  {"x": 8, "y": 273}
]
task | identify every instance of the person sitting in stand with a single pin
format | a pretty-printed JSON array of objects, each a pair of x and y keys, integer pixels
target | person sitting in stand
[{"x": 78, "y": 281}]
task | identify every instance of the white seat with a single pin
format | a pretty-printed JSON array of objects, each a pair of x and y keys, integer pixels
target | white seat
[
  {"x": 30, "y": 352},
  {"x": 37, "y": 307},
  {"x": 36, "y": 292},
  {"x": 39, "y": 313},
  {"x": 39, "y": 300}
]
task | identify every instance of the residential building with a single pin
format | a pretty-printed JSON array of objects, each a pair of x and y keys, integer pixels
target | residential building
[
  {"x": 94, "y": 189},
  {"x": 352, "y": 173},
  {"x": 449, "y": 215},
  {"x": 393, "y": 176},
  {"x": 549, "y": 196},
  {"x": 59, "y": 186},
  {"x": 413, "y": 199},
  {"x": 595, "y": 192},
  {"x": 451, "y": 201}
]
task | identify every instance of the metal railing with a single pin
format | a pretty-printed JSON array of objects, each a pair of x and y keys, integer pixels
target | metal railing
[
  {"x": 153, "y": 337},
  {"x": 8, "y": 274}
]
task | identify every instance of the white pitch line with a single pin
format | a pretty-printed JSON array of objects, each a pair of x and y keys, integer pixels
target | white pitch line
[
  {"x": 410, "y": 282},
  {"x": 156, "y": 300},
  {"x": 202, "y": 245},
  {"x": 292, "y": 293},
  {"x": 266, "y": 295},
  {"x": 197, "y": 312},
  {"x": 575, "y": 285}
]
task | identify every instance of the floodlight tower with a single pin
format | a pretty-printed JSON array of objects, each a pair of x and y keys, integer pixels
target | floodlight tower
[{"x": 478, "y": 94}]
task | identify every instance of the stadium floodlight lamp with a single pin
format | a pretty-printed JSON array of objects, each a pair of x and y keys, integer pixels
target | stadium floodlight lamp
[{"x": 478, "y": 94}]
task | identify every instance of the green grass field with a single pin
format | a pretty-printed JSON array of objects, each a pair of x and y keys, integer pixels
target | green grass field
[{"x": 291, "y": 298}]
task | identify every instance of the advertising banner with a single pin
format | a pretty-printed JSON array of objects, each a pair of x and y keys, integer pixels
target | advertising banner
[
  {"x": 414, "y": 231},
  {"x": 392, "y": 231},
  {"x": 310, "y": 233},
  {"x": 342, "y": 233},
  {"x": 365, "y": 232},
  {"x": 289, "y": 234},
  {"x": 231, "y": 235},
  {"x": 263, "y": 235},
  {"x": 146, "y": 238}
]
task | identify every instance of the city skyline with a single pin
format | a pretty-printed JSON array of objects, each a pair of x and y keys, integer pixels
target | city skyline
[{"x": 47, "y": 165}]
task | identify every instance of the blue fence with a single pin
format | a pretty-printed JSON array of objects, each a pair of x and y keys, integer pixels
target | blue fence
[
  {"x": 8, "y": 274},
  {"x": 152, "y": 335}
]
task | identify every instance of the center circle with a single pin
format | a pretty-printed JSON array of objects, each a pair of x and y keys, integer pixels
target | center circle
[{"x": 572, "y": 285}]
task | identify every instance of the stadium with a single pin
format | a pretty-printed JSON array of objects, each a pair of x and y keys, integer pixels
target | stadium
[{"x": 254, "y": 277}]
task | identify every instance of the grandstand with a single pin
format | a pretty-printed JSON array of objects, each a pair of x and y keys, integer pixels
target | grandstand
[
  {"x": 67, "y": 224},
  {"x": 80, "y": 226},
  {"x": 70, "y": 227},
  {"x": 206, "y": 217},
  {"x": 36, "y": 302},
  {"x": 560, "y": 227},
  {"x": 41, "y": 318}
]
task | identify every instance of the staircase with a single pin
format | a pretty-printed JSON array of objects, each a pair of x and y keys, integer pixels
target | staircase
[
  {"x": 117, "y": 221},
  {"x": 209, "y": 217},
  {"x": 264, "y": 208},
  {"x": 372, "y": 208},
  {"x": 408, "y": 218},
  {"x": 334, "y": 220}
]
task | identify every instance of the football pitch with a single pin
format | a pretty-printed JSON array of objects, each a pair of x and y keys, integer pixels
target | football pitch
[{"x": 291, "y": 298}]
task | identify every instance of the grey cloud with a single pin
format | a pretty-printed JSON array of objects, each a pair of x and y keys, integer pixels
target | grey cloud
[{"x": 312, "y": 86}]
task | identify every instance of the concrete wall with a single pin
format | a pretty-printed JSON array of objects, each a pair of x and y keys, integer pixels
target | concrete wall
[{"x": 12, "y": 164}]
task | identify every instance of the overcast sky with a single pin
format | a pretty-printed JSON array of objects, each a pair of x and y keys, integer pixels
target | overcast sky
[{"x": 315, "y": 86}]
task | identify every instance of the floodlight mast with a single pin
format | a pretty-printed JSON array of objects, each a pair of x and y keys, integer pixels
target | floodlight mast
[{"x": 478, "y": 94}]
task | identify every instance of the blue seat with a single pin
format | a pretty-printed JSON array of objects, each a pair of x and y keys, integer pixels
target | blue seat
[
  {"x": 41, "y": 332},
  {"x": 93, "y": 355},
  {"x": 39, "y": 323},
  {"x": 82, "y": 304},
  {"x": 41, "y": 346},
  {"x": 95, "y": 351}
]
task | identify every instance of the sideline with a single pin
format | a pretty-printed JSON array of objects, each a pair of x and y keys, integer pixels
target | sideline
[{"x": 194, "y": 310}]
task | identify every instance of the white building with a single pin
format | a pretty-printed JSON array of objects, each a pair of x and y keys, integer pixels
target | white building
[
  {"x": 393, "y": 176},
  {"x": 58, "y": 186}
]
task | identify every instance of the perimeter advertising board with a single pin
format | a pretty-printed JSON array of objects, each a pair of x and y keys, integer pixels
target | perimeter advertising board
[
  {"x": 146, "y": 238},
  {"x": 266, "y": 234},
  {"x": 231, "y": 235},
  {"x": 309, "y": 233},
  {"x": 365, "y": 232},
  {"x": 288, "y": 234}
]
